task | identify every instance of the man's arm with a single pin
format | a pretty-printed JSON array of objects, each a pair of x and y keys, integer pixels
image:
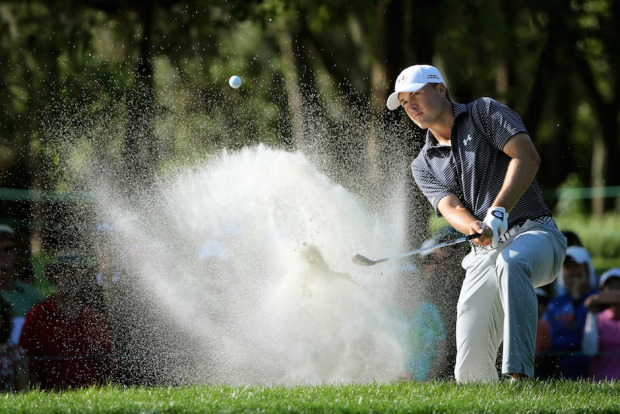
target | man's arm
[
  {"x": 519, "y": 175},
  {"x": 462, "y": 219},
  {"x": 521, "y": 170}
]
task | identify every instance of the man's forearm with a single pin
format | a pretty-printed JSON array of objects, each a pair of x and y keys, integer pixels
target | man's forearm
[
  {"x": 520, "y": 173},
  {"x": 457, "y": 215},
  {"x": 519, "y": 176}
]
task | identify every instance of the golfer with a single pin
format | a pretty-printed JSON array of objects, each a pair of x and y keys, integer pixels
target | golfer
[{"x": 477, "y": 169}]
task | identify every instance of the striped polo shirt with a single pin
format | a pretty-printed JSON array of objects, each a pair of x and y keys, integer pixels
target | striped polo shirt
[{"x": 473, "y": 167}]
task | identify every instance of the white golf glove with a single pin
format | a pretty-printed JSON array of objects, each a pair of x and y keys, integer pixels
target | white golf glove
[{"x": 497, "y": 221}]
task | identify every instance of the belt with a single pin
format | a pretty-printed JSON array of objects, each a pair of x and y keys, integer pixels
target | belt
[
  {"x": 544, "y": 219},
  {"x": 502, "y": 239}
]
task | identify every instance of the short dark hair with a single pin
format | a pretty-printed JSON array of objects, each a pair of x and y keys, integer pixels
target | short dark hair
[{"x": 572, "y": 238}]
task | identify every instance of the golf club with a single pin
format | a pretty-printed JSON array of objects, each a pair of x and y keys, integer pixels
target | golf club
[{"x": 364, "y": 261}]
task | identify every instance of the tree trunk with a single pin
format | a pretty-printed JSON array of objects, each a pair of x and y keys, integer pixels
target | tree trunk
[
  {"x": 139, "y": 150},
  {"x": 393, "y": 142},
  {"x": 285, "y": 42},
  {"x": 599, "y": 161}
]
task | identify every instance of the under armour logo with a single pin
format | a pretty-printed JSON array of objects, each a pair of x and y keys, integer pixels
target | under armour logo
[{"x": 465, "y": 141}]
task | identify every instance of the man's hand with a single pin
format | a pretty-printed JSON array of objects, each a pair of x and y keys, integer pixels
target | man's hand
[{"x": 497, "y": 221}]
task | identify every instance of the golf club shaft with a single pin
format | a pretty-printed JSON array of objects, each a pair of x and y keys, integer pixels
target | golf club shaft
[
  {"x": 359, "y": 259},
  {"x": 437, "y": 246}
]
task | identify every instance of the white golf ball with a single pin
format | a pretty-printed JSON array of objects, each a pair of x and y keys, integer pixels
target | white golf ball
[{"x": 234, "y": 81}]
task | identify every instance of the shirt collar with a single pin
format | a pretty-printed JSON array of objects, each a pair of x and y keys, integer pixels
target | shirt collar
[{"x": 458, "y": 109}]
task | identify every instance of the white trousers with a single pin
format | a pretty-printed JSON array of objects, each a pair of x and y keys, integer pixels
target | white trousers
[{"x": 498, "y": 303}]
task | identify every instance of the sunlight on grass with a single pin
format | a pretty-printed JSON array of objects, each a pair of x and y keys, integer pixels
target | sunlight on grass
[{"x": 398, "y": 397}]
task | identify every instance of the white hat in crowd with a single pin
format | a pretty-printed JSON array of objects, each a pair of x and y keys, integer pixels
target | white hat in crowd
[
  {"x": 579, "y": 255},
  {"x": 4, "y": 228},
  {"x": 412, "y": 79},
  {"x": 614, "y": 272}
]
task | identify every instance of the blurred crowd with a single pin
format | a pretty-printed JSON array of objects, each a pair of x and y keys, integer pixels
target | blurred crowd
[
  {"x": 578, "y": 334},
  {"x": 94, "y": 329},
  {"x": 579, "y": 320}
]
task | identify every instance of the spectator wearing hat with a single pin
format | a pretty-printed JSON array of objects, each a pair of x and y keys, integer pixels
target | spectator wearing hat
[
  {"x": 425, "y": 333},
  {"x": 137, "y": 324},
  {"x": 579, "y": 255},
  {"x": 67, "y": 341},
  {"x": 21, "y": 296},
  {"x": 566, "y": 313},
  {"x": 601, "y": 339},
  {"x": 443, "y": 284}
]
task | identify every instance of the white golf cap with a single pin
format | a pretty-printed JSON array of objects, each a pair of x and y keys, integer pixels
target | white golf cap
[
  {"x": 614, "y": 272},
  {"x": 412, "y": 79},
  {"x": 578, "y": 254}
]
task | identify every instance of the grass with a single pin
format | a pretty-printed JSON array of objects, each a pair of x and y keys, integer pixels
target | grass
[{"x": 398, "y": 397}]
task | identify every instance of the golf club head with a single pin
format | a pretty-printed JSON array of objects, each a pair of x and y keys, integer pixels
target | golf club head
[{"x": 364, "y": 261}]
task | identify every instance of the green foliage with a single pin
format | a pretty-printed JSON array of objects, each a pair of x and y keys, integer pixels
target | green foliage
[
  {"x": 600, "y": 236},
  {"x": 60, "y": 56},
  {"x": 71, "y": 71},
  {"x": 567, "y": 205},
  {"x": 398, "y": 397}
]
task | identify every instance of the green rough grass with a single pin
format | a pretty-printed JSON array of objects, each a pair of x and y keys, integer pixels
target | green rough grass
[{"x": 398, "y": 397}]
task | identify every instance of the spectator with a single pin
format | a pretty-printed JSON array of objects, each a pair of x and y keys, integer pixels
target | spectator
[
  {"x": 13, "y": 368},
  {"x": 125, "y": 306},
  {"x": 543, "y": 363},
  {"x": 68, "y": 342},
  {"x": 426, "y": 335},
  {"x": 140, "y": 328},
  {"x": 445, "y": 276},
  {"x": 21, "y": 296},
  {"x": 580, "y": 255},
  {"x": 567, "y": 313},
  {"x": 601, "y": 339}
]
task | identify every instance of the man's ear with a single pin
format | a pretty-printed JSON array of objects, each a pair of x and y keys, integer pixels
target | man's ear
[{"x": 442, "y": 89}]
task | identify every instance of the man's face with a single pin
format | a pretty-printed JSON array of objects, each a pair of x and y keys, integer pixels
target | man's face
[
  {"x": 576, "y": 277},
  {"x": 425, "y": 105},
  {"x": 7, "y": 254}
]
